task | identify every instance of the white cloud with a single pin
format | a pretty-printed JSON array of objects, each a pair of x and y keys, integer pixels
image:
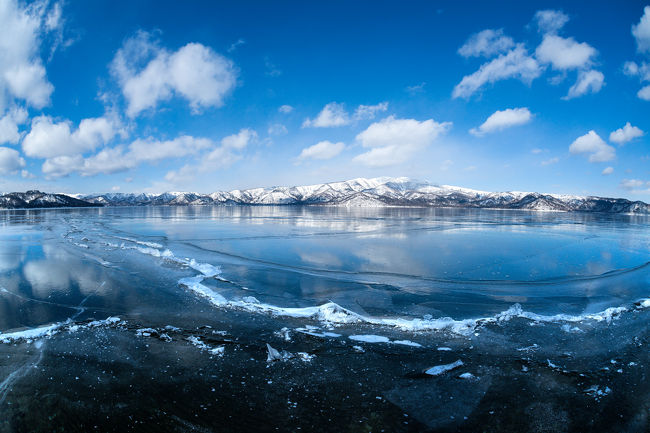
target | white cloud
[
  {"x": 240, "y": 140},
  {"x": 277, "y": 129},
  {"x": 551, "y": 161},
  {"x": 115, "y": 159},
  {"x": 332, "y": 114},
  {"x": 635, "y": 70},
  {"x": 236, "y": 45},
  {"x": 550, "y": 21},
  {"x": 634, "y": 185},
  {"x": 107, "y": 161},
  {"x": 22, "y": 74},
  {"x": 486, "y": 43},
  {"x": 10, "y": 161},
  {"x": 48, "y": 139},
  {"x": 588, "y": 82},
  {"x": 642, "y": 71},
  {"x": 393, "y": 141},
  {"x": 60, "y": 166},
  {"x": 500, "y": 120},
  {"x": 219, "y": 157},
  {"x": 322, "y": 150},
  {"x": 285, "y": 109},
  {"x": 335, "y": 114},
  {"x": 367, "y": 112},
  {"x": 607, "y": 171},
  {"x": 641, "y": 31},
  {"x": 592, "y": 144},
  {"x": 148, "y": 74},
  {"x": 625, "y": 134},
  {"x": 9, "y": 125},
  {"x": 565, "y": 53},
  {"x": 514, "y": 64},
  {"x": 150, "y": 150},
  {"x": 416, "y": 88},
  {"x": 644, "y": 93},
  {"x": 271, "y": 69}
]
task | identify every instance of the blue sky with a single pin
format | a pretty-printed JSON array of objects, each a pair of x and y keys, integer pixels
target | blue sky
[{"x": 157, "y": 95}]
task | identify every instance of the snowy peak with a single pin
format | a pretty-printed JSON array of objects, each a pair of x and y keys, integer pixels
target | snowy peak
[{"x": 380, "y": 192}]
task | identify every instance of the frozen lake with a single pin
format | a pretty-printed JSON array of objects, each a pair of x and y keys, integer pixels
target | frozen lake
[{"x": 161, "y": 316}]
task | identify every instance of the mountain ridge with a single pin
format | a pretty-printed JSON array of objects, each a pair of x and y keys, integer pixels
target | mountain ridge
[
  {"x": 378, "y": 192},
  {"x": 359, "y": 192}
]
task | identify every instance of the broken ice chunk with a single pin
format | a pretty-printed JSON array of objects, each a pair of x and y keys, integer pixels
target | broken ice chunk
[{"x": 440, "y": 369}]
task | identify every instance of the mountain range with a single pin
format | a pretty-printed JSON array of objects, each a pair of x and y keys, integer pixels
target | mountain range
[
  {"x": 37, "y": 199},
  {"x": 377, "y": 192}
]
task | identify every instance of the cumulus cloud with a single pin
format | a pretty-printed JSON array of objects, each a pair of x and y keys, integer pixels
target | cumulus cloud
[
  {"x": 551, "y": 161},
  {"x": 22, "y": 74},
  {"x": 607, "y": 171},
  {"x": 393, "y": 141},
  {"x": 588, "y": 82},
  {"x": 150, "y": 150},
  {"x": 635, "y": 185},
  {"x": 594, "y": 146},
  {"x": 644, "y": 93},
  {"x": 486, "y": 43},
  {"x": 516, "y": 63},
  {"x": 560, "y": 53},
  {"x": 48, "y": 138},
  {"x": 641, "y": 31},
  {"x": 335, "y": 114},
  {"x": 332, "y": 114},
  {"x": 277, "y": 129},
  {"x": 148, "y": 74},
  {"x": 550, "y": 21},
  {"x": 217, "y": 158},
  {"x": 322, "y": 150},
  {"x": 9, "y": 125},
  {"x": 641, "y": 70},
  {"x": 565, "y": 53},
  {"x": 120, "y": 158},
  {"x": 500, "y": 120},
  {"x": 625, "y": 134},
  {"x": 367, "y": 112},
  {"x": 10, "y": 161}
]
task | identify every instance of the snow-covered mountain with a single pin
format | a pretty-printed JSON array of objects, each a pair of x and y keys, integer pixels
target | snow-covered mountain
[
  {"x": 37, "y": 199},
  {"x": 379, "y": 192}
]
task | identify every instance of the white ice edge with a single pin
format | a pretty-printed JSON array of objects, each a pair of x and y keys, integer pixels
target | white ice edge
[
  {"x": 334, "y": 314},
  {"x": 55, "y": 328}
]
